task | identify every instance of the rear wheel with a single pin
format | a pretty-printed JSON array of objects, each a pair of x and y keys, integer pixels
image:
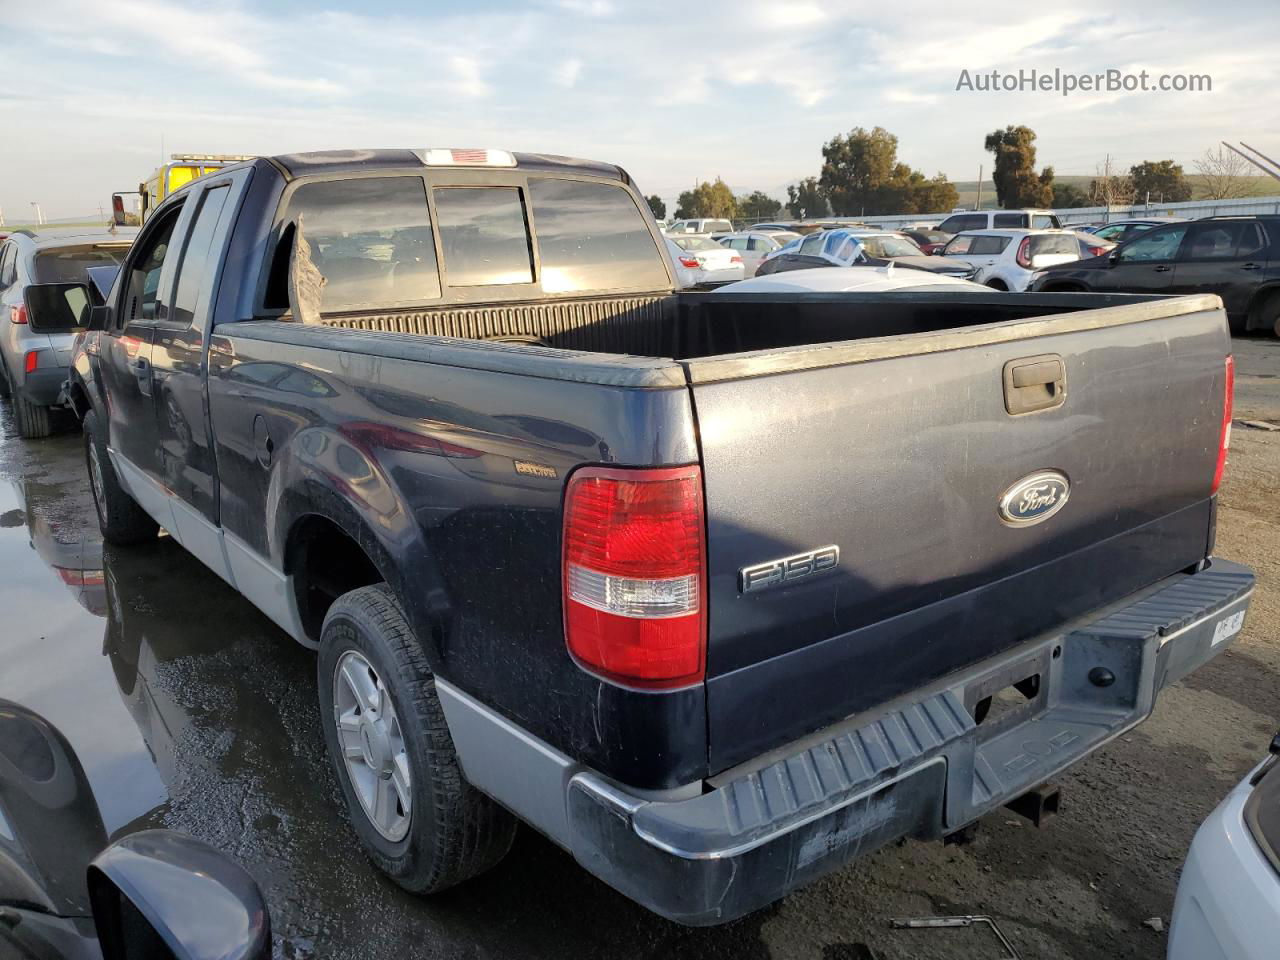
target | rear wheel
[
  {"x": 34, "y": 420},
  {"x": 1269, "y": 314},
  {"x": 120, "y": 518},
  {"x": 416, "y": 816},
  {"x": 5, "y": 392}
]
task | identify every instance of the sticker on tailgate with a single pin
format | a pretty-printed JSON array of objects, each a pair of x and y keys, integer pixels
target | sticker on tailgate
[{"x": 1228, "y": 627}]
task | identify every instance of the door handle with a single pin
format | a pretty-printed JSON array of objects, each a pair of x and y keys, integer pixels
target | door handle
[
  {"x": 139, "y": 365},
  {"x": 1034, "y": 383},
  {"x": 1252, "y": 266},
  {"x": 1162, "y": 268}
]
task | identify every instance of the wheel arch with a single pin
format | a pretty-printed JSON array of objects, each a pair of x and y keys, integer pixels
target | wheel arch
[{"x": 1254, "y": 319}]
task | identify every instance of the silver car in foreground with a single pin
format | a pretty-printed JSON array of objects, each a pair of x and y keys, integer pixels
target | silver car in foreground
[{"x": 34, "y": 357}]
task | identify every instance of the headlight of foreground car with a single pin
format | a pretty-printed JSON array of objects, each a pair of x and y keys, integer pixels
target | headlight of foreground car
[{"x": 1262, "y": 809}]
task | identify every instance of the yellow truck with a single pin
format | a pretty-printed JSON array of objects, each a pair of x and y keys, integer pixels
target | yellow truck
[{"x": 181, "y": 169}]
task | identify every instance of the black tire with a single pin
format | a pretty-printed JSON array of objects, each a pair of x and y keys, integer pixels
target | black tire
[
  {"x": 34, "y": 420},
  {"x": 998, "y": 285},
  {"x": 5, "y": 392},
  {"x": 1269, "y": 314},
  {"x": 454, "y": 831},
  {"x": 120, "y": 519}
]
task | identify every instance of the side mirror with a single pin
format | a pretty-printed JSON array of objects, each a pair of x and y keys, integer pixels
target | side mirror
[
  {"x": 99, "y": 318},
  {"x": 56, "y": 307},
  {"x": 159, "y": 894},
  {"x": 1114, "y": 256}
]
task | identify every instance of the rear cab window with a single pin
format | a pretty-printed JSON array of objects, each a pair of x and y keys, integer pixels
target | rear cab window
[
  {"x": 370, "y": 238},
  {"x": 592, "y": 236},
  {"x": 484, "y": 234}
]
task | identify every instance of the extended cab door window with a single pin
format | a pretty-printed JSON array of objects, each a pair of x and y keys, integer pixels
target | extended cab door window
[
  {"x": 195, "y": 266},
  {"x": 591, "y": 236},
  {"x": 371, "y": 239}
]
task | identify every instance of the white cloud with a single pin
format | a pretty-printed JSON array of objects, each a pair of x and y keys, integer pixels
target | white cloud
[{"x": 566, "y": 74}]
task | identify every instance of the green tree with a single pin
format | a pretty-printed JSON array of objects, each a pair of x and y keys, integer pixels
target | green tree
[
  {"x": 857, "y": 167},
  {"x": 805, "y": 199},
  {"x": 657, "y": 206},
  {"x": 1067, "y": 195},
  {"x": 1017, "y": 183},
  {"x": 861, "y": 174},
  {"x": 707, "y": 200},
  {"x": 1161, "y": 180},
  {"x": 758, "y": 206}
]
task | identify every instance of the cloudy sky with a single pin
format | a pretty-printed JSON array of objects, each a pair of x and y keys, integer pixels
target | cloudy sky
[{"x": 747, "y": 90}]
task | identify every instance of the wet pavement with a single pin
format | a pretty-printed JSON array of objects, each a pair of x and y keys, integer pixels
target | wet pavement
[{"x": 190, "y": 710}]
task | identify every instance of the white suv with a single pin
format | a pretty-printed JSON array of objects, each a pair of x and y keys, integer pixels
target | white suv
[
  {"x": 700, "y": 226},
  {"x": 999, "y": 219},
  {"x": 1007, "y": 259}
]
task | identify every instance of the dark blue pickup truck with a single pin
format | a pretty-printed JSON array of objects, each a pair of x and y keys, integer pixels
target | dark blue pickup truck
[{"x": 716, "y": 590}]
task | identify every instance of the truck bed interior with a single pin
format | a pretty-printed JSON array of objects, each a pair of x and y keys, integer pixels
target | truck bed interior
[{"x": 688, "y": 326}]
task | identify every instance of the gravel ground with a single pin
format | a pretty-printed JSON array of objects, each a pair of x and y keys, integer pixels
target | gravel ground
[{"x": 191, "y": 710}]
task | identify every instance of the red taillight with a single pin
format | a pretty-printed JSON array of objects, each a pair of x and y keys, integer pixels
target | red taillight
[
  {"x": 1224, "y": 437},
  {"x": 735, "y": 259},
  {"x": 634, "y": 574},
  {"x": 18, "y": 314},
  {"x": 1096, "y": 251},
  {"x": 690, "y": 262},
  {"x": 32, "y": 359},
  {"x": 1024, "y": 248}
]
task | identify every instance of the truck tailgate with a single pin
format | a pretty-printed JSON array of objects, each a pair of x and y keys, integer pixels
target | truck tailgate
[{"x": 897, "y": 452}]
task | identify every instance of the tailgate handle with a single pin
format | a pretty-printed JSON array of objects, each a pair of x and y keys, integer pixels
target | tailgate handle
[{"x": 1032, "y": 384}]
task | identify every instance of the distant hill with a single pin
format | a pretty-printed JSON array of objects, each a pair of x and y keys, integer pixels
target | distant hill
[{"x": 968, "y": 189}]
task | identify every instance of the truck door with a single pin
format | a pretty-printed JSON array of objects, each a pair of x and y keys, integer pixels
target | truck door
[
  {"x": 182, "y": 442},
  {"x": 125, "y": 358}
]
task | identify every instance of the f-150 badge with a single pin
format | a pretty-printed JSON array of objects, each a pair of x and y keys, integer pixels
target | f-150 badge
[
  {"x": 1035, "y": 498},
  {"x": 775, "y": 573}
]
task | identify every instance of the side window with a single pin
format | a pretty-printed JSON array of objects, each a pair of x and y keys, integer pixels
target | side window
[
  {"x": 1252, "y": 242},
  {"x": 1045, "y": 221},
  {"x": 371, "y": 239},
  {"x": 1153, "y": 245},
  {"x": 484, "y": 234},
  {"x": 959, "y": 246},
  {"x": 1214, "y": 240},
  {"x": 1112, "y": 232},
  {"x": 193, "y": 268},
  {"x": 591, "y": 236},
  {"x": 988, "y": 246},
  {"x": 1009, "y": 220},
  {"x": 145, "y": 264},
  {"x": 8, "y": 265},
  {"x": 811, "y": 245}
]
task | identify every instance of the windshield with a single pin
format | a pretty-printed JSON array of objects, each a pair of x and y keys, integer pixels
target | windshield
[
  {"x": 696, "y": 243},
  {"x": 889, "y": 247},
  {"x": 68, "y": 264}
]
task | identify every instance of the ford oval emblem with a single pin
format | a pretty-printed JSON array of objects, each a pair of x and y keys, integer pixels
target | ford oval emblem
[{"x": 1034, "y": 498}]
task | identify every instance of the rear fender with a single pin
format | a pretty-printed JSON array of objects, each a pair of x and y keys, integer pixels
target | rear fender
[{"x": 322, "y": 473}]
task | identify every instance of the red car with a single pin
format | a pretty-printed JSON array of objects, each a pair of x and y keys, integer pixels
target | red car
[{"x": 930, "y": 241}]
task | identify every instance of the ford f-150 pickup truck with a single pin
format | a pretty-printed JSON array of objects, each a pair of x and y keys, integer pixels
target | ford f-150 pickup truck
[{"x": 718, "y": 591}]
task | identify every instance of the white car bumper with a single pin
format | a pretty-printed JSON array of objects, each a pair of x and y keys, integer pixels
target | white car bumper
[{"x": 1228, "y": 903}]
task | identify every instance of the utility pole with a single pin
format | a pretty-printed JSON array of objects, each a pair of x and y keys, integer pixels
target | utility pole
[
  {"x": 1, "y": 216},
  {"x": 979, "y": 206},
  {"x": 39, "y": 213}
]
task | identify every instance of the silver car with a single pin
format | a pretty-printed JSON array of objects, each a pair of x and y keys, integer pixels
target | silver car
[{"x": 34, "y": 358}]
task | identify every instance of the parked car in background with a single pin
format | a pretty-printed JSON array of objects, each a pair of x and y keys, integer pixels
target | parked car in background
[
  {"x": 1007, "y": 259},
  {"x": 1238, "y": 258},
  {"x": 999, "y": 219},
  {"x": 770, "y": 228},
  {"x": 863, "y": 280},
  {"x": 35, "y": 352},
  {"x": 1228, "y": 902},
  {"x": 700, "y": 226},
  {"x": 929, "y": 241},
  {"x": 753, "y": 246},
  {"x": 1121, "y": 231},
  {"x": 699, "y": 260},
  {"x": 1092, "y": 245},
  {"x": 846, "y": 248}
]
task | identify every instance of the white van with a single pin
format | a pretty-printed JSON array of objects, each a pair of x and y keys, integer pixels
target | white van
[
  {"x": 700, "y": 226},
  {"x": 1000, "y": 220}
]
